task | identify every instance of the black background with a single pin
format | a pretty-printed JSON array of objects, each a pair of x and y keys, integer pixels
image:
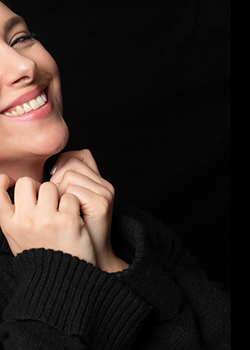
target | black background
[{"x": 146, "y": 88}]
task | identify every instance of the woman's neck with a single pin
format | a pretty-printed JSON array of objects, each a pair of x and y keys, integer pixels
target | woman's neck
[{"x": 18, "y": 168}]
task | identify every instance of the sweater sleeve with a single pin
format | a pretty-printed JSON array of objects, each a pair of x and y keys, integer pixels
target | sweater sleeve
[
  {"x": 188, "y": 310},
  {"x": 163, "y": 301},
  {"x": 62, "y": 302}
]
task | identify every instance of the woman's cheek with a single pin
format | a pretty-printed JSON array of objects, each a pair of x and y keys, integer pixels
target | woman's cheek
[
  {"x": 47, "y": 136},
  {"x": 46, "y": 65}
]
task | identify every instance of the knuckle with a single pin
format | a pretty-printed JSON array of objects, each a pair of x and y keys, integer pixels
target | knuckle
[
  {"x": 103, "y": 204},
  {"x": 68, "y": 175},
  {"x": 110, "y": 187},
  {"x": 26, "y": 222},
  {"x": 48, "y": 186},
  {"x": 4, "y": 181},
  {"x": 68, "y": 195},
  {"x": 46, "y": 221},
  {"x": 109, "y": 196},
  {"x": 49, "y": 222},
  {"x": 71, "y": 163},
  {"x": 23, "y": 181},
  {"x": 86, "y": 155},
  {"x": 4, "y": 177}
]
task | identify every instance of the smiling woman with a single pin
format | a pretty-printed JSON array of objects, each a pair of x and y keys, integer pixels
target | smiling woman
[
  {"x": 31, "y": 102},
  {"x": 72, "y": 275},
  {"x": 32, "y": 129}
]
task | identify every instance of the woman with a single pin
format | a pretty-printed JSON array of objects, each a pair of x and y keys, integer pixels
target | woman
[{"x": 63, "y": 284}]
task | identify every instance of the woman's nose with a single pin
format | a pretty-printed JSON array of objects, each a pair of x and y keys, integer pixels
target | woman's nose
[{"x": 18, "y": 70}]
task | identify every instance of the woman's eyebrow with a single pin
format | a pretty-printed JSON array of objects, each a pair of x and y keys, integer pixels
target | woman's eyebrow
[{"x": 11, "y": 23}]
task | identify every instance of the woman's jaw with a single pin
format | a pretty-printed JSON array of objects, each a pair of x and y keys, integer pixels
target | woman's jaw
[
  {"x": 23, "y": 163},
  {"x": 34, "y": 136}
]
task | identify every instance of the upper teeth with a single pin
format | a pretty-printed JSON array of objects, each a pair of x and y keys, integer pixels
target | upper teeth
[{"x": 28, "y": 106}]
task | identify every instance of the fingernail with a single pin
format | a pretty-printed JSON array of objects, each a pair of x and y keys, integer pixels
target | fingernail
[{"x": 53, "y": 170}]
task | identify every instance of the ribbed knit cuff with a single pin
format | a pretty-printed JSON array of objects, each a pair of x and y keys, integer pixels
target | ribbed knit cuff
[{"x": 76, "y": 298}]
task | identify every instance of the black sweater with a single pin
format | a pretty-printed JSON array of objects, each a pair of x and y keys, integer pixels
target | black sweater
[{"x": 50, "y": 300}]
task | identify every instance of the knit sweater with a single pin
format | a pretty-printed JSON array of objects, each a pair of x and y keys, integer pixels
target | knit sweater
[{"x": 51, "y": 300}]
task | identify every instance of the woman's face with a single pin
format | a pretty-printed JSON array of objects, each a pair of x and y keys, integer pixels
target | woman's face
[{"x": 31, "y": 122}]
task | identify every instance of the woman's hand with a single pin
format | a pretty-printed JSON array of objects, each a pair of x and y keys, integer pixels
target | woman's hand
[
  {"x": 76, "y": 173},
  {"x": 41, "y": 218}
]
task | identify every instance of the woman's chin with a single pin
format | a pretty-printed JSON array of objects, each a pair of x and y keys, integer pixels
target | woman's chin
[
  {"x": 58, "y": 143},
  {"x": 53, "y": 142}
]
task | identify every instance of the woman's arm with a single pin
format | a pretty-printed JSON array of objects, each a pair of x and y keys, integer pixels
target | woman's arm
[
  {"x": 61, "y": 301},
  {"x": 163, "y": 300},
  {"x": 77, "y": 201},
  {"x": 67, "y": 294}
]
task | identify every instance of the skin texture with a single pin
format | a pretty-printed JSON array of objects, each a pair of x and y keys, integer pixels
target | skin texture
[{"x": 71, "y": 213}]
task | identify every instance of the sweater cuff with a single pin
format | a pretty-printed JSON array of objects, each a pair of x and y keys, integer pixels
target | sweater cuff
[{"x": 76, "y": 298}]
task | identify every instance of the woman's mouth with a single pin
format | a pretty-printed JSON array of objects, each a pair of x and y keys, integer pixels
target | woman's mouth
[
  {"x": 28, "y": 106},
  {"x": 31, "y": 106}
]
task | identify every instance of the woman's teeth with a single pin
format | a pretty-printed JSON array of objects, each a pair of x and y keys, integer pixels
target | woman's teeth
[{"x": 29, "y": 106}]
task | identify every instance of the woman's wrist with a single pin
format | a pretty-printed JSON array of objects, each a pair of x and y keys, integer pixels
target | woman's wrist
[
  {"x": 113, "y": 264},
  {"x": 118, "y": 266}
]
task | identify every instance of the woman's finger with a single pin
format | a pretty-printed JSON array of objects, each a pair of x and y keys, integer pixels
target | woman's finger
[
  {"x": 77, "y": 166},
  {"x": 97, "y": 215},
  {"x": 92, "y": 205},
  {"x": 74, "y": 178},
  {"x": 70, "y": 204},
  {"x": 48, "y": 197},
  {"x": 84, "y": 156},
  {"x": 26, "y": 191}
]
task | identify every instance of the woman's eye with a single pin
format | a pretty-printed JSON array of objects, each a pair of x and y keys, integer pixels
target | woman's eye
[{"x": 22, "y": 39}]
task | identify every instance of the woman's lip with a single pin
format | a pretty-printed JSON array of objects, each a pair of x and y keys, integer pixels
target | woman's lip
[
  {"x": 37, "y": 114},
  {"x": 28, "y": 96}
]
